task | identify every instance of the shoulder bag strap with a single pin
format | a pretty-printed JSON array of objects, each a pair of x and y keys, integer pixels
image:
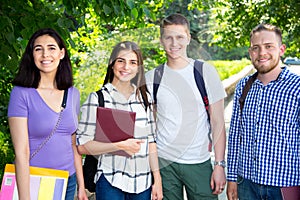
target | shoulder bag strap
[
  {"x": 63, "y": 106},
  {"x": 246, "y": 90}
]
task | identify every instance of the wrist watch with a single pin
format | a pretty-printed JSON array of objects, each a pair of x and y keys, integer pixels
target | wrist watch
[{"x": 221, "y": 163}]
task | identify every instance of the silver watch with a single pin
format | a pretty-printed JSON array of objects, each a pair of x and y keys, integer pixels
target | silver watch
[{"x": 221, "y": 163}]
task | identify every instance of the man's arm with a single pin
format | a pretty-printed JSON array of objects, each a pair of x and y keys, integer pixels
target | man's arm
[
  {"x": 232, "y": 193},
  {"x": 233, "y": 145},
  {"x": 216, "y": 110}
]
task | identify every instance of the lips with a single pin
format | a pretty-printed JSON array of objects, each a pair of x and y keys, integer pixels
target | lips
[
  {"x": 46, "y": 61},
  {"x": 263, "y": 60},
  {"x": 174, "y": 49},
  {"x": 124, "y": 73}
]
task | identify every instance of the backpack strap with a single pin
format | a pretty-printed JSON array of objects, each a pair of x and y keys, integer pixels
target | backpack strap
[
  {"x": 157, "y": 78},
  {"x": 100, "y": 98},
  {"x": 198, "y": 74},
  {"x": 245, "y": 91}
]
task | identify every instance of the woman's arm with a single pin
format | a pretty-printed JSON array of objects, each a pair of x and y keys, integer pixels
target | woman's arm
[
  {"x": 81, "y": 194},
  {"x": 157, "y": 193},
  {"x": 19, "y": 134},
  {"x": 130, "y": 146}
]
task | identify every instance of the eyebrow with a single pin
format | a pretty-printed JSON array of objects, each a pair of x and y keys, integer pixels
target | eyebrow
[
  {"x": 125, "y": 59},
  {"x": 267, "y": 43},
  {"x": 49, "y": 45}
]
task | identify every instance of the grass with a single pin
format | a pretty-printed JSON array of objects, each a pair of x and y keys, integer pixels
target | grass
[{"x": 228, "y": 68}]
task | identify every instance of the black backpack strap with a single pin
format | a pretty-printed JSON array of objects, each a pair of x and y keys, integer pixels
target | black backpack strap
[
  {"x": 198, "y": 74},
  {"x": 246, "y": 90},
  {"x": 89, "y": 168},
  {"x": 157, "y": 78},
  {"x": 100, "y": 98}
]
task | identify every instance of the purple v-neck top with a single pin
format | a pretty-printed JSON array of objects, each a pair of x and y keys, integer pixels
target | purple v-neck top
[{"x": 57, "y": 153}]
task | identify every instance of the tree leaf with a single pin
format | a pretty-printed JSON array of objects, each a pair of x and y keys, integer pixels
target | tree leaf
[
  {"x": 134, "y": 13},
  {"x": 130, "y": 4},
  {"x": 107, "y": 10}
]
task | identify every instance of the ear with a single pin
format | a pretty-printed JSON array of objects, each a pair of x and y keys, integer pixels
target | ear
[
  {"x": 282, "y": 49},
  {"x": 189, "y": 39},
  {"x": 62, "y": 53}
]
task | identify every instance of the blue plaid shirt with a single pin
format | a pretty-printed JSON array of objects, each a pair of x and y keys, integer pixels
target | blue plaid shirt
[{"x": 264, "y": 144}]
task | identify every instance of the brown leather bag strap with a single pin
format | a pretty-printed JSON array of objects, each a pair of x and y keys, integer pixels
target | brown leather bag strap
[{"x": 246, "y": 90}]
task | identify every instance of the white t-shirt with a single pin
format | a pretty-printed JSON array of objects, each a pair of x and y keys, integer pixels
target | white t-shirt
[{"x": 182, "y": 125}]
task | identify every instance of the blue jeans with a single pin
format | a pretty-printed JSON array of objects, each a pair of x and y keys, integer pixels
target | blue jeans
[
  {"x": 247, "y": 190},
  {"x": 105, "y": 191},
  {"x": 71, "y": 187}
]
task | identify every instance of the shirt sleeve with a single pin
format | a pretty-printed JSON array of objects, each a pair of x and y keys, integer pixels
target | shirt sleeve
[
  {"x": 77, "y": 100},
  {"x": 234, "y": 136},
  {"x": 213, "y": 84},
  {"x": 17, "y": 106},
  {"x": 87, "y": 123}
]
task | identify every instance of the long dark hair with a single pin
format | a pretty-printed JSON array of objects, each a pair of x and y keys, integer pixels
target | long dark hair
[
  {"x": 28, "y": 74},
  {"x": 139, "y": 79}
]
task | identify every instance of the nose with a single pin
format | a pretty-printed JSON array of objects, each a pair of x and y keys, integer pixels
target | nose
[
  {"x": 262, "y": 50},
  {"x": 45, "y": 53},
  {"x": 126, "y": 65},
  {"x": 174, "y": 41}
]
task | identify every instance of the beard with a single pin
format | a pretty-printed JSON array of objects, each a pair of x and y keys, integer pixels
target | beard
[{"x": 265, "y": 68}]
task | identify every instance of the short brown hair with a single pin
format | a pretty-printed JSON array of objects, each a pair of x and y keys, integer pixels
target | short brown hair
[
  {"x": 174, "y": 19},
  {"x": 267, "y": 27}
]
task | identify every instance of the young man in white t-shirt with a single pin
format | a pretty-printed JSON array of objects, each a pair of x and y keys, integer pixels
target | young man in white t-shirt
[{"x": 182, "y": 121}]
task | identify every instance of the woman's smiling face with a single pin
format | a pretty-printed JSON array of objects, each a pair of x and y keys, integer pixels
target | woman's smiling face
[
  {"x": 126, "y": 66},
  {"x": 47, "y": 54}
]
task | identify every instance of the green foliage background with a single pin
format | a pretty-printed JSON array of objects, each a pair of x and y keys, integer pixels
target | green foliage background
[{"x": 219, "y": 29}]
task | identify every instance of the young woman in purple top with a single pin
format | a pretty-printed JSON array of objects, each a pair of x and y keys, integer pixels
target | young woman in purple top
[{"x": 35, "y": 104}]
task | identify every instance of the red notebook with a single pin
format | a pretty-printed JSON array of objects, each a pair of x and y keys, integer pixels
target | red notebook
[
  {"x": 291, "y": 193},
  {"x": 114, "y": 125}
]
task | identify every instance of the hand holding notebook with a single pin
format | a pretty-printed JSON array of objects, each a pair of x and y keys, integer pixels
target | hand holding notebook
[{"x": 114, "y": 125}]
